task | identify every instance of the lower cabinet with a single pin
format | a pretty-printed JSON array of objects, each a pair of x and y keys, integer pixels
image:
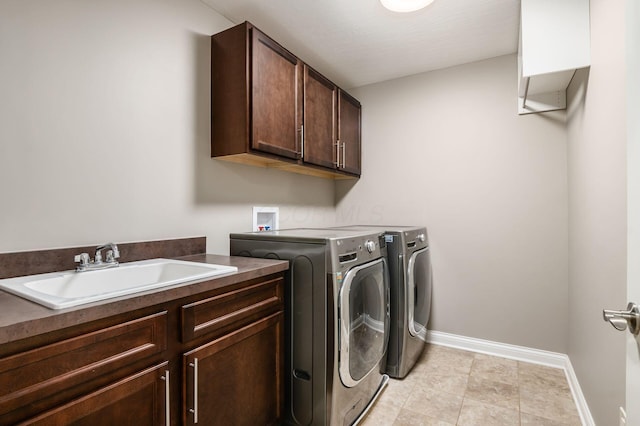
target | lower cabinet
[
  {"x": 36, "y": 380},
  {"x": 141, "y": 399},
  {"x": 214, "y": 358},
  {"x": 231, "y": 379}
]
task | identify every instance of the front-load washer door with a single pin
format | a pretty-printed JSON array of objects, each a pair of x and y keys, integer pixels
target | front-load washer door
[
  {"x": 364, "y": 321},
  {"x": 419, "y": 292}
]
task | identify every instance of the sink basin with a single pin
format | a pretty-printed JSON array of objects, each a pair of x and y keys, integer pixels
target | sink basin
[{"x": 59, "y": 290}]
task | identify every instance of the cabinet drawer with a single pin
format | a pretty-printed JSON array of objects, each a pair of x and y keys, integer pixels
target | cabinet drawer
[
  {"x": 230, "y": 310},
  {"x": 46, "y": 376}
]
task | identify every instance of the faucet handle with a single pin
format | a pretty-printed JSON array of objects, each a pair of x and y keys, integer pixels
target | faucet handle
[
  {"x": 83, "y": 259},
  {"x": 112, "y": 256}
]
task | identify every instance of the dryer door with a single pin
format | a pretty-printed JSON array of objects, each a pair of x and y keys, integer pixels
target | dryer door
[
  {"x": 419, "y": 292},
  {"x": 363, "y": 321}
]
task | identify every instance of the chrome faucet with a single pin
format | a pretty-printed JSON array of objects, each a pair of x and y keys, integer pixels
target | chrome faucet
[
  {"x": 112, "y": 254},
  {"x": 86, "y": 264}
]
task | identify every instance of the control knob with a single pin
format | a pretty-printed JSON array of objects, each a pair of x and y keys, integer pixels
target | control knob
[
  {"x": 421, "y": 238},
  {"x": 370, "y": 246}
]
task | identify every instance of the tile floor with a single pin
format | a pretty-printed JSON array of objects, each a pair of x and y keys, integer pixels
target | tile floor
[{"x": 450, "y": 387}]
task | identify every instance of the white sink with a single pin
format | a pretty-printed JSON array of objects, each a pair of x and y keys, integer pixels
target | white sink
[{"x": 59, "y": 290}]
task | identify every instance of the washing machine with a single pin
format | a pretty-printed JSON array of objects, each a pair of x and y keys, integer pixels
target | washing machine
[
  {"x": 336, "y": 319},
  {"x": 410, "y": 281}
]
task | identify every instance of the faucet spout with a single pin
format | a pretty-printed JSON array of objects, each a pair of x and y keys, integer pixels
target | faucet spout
[
  {"x": 112, "y": 246},
  {"x": 112, "y": 254},
  {"x": 86, "y": 264}
]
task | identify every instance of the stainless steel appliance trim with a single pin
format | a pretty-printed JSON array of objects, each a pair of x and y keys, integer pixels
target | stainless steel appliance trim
[
  {"x": 344, "y": 321},
  {"x": 410, "y": 307},
  {"x": 383, "y": 384}
]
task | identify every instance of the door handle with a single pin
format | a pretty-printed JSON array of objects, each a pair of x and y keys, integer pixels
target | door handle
[{"x": 620, "y": 320}]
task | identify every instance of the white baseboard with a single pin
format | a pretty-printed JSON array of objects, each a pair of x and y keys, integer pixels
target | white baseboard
[{"x": 520, "y": 353}]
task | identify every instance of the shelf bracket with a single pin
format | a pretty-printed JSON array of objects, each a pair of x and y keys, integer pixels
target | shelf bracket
[{"x": 526, "y": 93}]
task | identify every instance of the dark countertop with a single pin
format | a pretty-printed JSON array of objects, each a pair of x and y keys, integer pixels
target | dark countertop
[{"x": 20, "y": 318}]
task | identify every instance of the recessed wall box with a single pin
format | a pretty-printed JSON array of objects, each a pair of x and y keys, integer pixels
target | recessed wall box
[
  {"x": 554, "y": 42},
  {"x": 265, "y": 218}
]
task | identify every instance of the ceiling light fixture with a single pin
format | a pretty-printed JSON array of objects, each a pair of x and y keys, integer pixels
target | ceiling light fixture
[{"x": 405, "y": 5}]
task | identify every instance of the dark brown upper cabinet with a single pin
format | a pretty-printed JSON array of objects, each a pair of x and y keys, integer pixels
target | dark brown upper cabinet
[
  {"x": 349, "y": 133},
  {"x": 256, "y": 92},
  {"x": 275, "y": 98},
  {"x": 270, "y": 109},
  {"x": 320, "y": 120}
]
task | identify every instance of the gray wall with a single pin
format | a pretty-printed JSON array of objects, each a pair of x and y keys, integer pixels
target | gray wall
[
  {"x": 104, "y": 130},
  {"x": 446, "y": 149},
  {"x": 597, "y": 213}
]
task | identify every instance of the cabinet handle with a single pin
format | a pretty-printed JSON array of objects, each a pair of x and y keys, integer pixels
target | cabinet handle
[
  {"x": 302, "y": 141},
  {"x": 194, "y": 410},
  {"x": 167, "y": 399},
  {"x": 344, "y": 154},
  {"x": 337, "y": 162}
]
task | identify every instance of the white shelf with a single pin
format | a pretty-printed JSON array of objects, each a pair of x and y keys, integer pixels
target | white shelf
[{"x": 554, "y": 42}]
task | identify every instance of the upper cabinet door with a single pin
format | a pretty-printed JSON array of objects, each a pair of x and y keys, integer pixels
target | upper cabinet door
[
  {"x": 349, "y": 133},
  {"x": 320, "y": 115},
  {"x": 275, "y": 98}
]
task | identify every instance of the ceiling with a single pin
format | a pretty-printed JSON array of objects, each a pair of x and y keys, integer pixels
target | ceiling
[{"x": 358, "y": 42}]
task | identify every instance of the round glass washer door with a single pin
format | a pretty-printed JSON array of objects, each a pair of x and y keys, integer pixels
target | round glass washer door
[{"x": 364, "y": 321}]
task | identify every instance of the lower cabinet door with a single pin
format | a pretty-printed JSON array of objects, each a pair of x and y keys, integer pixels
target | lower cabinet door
[
  {"x": 140, "y": 399},
  {"x": 237, "y": 378}
]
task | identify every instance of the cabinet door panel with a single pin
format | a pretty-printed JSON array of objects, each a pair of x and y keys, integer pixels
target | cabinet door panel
[
  {"x": 320, "y": 97},
  {"x": 236, "y": 379},
  {"x": 349, "y": 133},
  {"x": 276, "y": 98},
  {"x": 137, "y": 400},
  {"x": 45, "y": 376}
]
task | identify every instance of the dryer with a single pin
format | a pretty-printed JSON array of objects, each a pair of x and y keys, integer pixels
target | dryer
[
  {"x": 411, "y": 285},
  {"x": 336, "y": 319}
]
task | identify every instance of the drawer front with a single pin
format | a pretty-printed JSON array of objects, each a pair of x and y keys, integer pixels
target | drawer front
[
  {"x": 225, "y": 312},
  {"x": 45, "y": 376}
]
